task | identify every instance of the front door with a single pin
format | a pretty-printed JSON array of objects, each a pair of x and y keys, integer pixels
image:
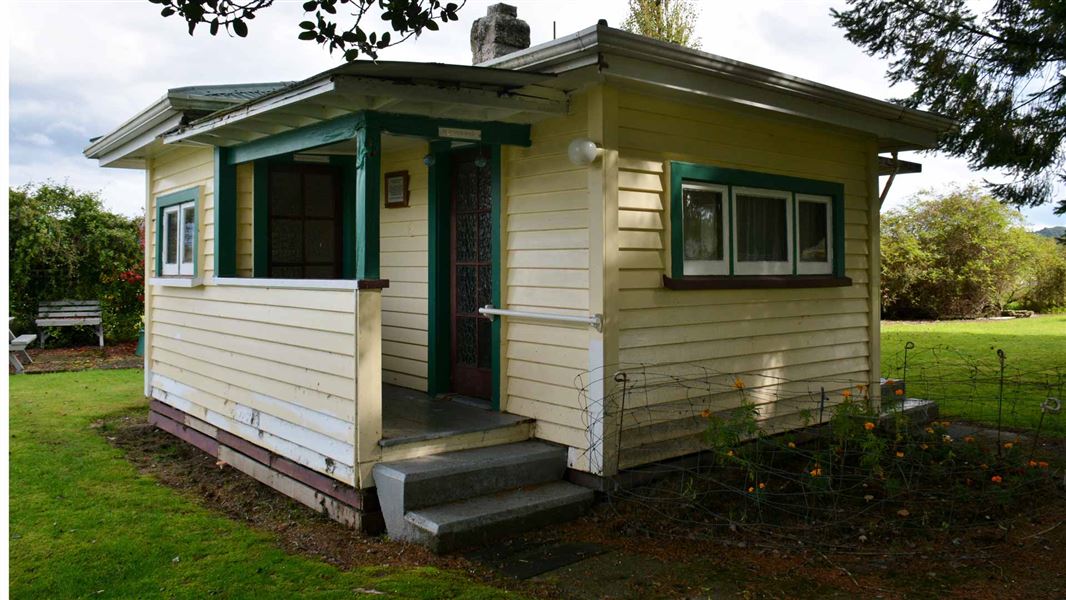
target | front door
[{"x": 471, "y": 274}]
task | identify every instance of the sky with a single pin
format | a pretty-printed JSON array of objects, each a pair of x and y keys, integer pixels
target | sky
[{"x": 96, "y": 63}]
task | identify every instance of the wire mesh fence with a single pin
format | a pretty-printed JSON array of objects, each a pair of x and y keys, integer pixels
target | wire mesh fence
[{"x": 833, "y": 455}]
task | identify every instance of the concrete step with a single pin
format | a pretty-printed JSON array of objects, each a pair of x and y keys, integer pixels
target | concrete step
[
  {"x": 415, "y": 483},
  {"x": 446, "y": 527}
]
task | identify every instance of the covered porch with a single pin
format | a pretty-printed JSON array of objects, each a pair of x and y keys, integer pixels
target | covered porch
[{"x": 383, "y": 275}]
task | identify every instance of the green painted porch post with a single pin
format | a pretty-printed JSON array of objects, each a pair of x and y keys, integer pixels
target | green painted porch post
[
  {"x": 225, "y": 201},
  {"x": 368, "y": 201}
]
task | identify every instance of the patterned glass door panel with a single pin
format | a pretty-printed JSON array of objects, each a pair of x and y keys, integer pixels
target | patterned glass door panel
[{"x": 471, "y": 243}]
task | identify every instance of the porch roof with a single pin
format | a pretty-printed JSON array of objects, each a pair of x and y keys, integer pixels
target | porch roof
[{"x": 459, "y": 92}]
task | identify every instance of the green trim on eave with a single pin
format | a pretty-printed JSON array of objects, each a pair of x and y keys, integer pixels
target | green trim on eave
[
  {"x": 440, "y": 374},
  {"x": 301, "y": 138},
  {"x": 180, "y": 197},
  {"x": 497, "y": 202},
  {"x": 348, "y": 127},
  {"x": 225, "y": 212},
  {"x": 682, "y": 171},
  {"x": 368, "y": 203}
]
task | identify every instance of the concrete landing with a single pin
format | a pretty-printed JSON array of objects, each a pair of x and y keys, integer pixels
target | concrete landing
[{"x": 411, "y": 416}]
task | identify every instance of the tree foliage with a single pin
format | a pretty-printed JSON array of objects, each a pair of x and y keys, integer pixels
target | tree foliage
[
  {"x": 64, "y": 245},
  {"x": 671, "y": 21},
  {"x": 1001, "y": 74},
  {"x": 963, "y": 254},
  {"x": 336, "y": 24}
]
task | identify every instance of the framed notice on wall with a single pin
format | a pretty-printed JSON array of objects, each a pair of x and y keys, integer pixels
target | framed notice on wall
[{"x": 397, "y": 193}]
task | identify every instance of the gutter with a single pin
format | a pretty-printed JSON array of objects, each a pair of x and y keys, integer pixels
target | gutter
[{"x": 600, "y": 39}]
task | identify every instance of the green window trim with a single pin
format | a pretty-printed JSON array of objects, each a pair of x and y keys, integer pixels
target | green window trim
[
  {"x": 165, "y": 201},
  {"x": 681, "y": 172}
]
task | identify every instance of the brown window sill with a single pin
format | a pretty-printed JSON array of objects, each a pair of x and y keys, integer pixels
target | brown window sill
[{"x": 754, "y": 282}]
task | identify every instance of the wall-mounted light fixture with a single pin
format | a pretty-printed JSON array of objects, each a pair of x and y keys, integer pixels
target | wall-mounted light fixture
[
  {"x": 429, "y": 160},
  {"x": 582, "y": 151}
]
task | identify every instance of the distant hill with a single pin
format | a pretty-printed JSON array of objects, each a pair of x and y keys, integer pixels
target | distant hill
[{"x": 1052, "y": 232}]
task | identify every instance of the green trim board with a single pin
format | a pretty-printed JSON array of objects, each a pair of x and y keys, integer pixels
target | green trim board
[
  {"x": 225, "y": 209},
  {"x": 260, "y": 204},
  {"x": 439, "y": 355},
  {"x": 180, "y": 197},
  {"x": 348, "y": 127},
  {"x": 368, "y": 204},
  {"x": 497, "y": 258},
  {"x": 684, "y": 171}
]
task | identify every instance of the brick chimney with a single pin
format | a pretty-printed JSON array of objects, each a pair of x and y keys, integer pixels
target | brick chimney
[{"x": 498, "y": 33}]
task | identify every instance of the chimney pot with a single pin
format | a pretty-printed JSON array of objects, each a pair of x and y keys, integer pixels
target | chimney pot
[{"x": 498, "y": 33}]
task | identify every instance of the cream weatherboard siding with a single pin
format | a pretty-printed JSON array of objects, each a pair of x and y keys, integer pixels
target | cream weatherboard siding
[
  {"x": 405, "y": 263},
  {"x": 545, "y": 231},
  {"x": 273, "y": 366},
  {"x": 817, "y": 337}
]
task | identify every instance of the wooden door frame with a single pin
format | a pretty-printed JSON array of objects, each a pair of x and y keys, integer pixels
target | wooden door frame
[{"x": 439, "y": 356}]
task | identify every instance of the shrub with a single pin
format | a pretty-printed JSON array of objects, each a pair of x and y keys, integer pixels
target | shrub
[
  {"x": 64, "y": 244},
  {"x": 1044, "y": 278},
  {"x": 959, "y": 254}
]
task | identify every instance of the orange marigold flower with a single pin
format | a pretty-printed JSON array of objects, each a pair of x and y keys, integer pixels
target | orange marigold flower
[
  {"x": 738, "y": 383},
  {"x": 899, "y": 392},
  {"x": 751, "y": 489},
  {"x": 1043, "y": 464},
  {"x": 968, "y": 439},
  {"x": 929, "y": 430},
  {"x": 846, "y": 393},
  {"x": 924, "y": 446},
  {"x": 899, "y": 454},
  {"x": 792, "y": 444},
  {"x": 706, "y": 413},
  {"x": 762, "y": 486},
  {"x": 869, "y": 426},
  {"x": 997, "y": 479},
  {"x": 1032, "y": 463},
  {"x": 730, "y": 453},
  {"x": 890, "y": 382},
  {"x": 816, "y": 472},
  {"x": 1008, "y": 445}
]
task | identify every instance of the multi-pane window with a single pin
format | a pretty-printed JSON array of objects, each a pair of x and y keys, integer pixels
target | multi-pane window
[
  {"x": 742, "y": 223},
  {"x": 179, "y": 239},
  {"x": 305, "y": 222}
]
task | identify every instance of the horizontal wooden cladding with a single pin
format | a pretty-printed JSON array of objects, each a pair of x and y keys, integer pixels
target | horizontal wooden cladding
[
  {"x": 735, "y": 311},
  {"x": 743, "y": 328},
  {"x": 312, "y": 450},
  {"x": 657, "y": 298},
  {"x": 313, "y": 489},
  {"x": 763, "y": 352}
]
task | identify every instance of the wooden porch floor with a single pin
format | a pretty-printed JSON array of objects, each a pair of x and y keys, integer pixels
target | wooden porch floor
[{"x": 411, "y": 416}]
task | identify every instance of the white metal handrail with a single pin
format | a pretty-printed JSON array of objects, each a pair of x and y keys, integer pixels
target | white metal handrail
[{"x": 490, "y": 311}]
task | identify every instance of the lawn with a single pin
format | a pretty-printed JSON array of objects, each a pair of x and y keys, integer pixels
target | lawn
[
  {"x": 85, "y": 523},
  {"x": 955, "y": 363}
]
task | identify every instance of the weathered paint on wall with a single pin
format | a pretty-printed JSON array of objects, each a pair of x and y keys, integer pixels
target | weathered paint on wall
[{"x": 810, "y": 335}]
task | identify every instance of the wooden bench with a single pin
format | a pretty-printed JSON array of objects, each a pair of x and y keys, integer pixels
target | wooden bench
[
  {"x": 70, "y": 313},
  {"x": 17, "y": 345}
]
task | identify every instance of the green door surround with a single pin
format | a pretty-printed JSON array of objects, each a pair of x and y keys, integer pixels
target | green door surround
[
  {"x": 439, "y": 372},
  {"x": 362, "y": 234}
]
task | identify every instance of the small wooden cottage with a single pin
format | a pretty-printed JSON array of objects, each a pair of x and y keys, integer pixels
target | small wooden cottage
[{"x": 414, "y": 274}]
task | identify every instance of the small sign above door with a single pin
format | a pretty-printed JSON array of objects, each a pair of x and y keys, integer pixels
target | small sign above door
[{"x": 459, "y": 134}]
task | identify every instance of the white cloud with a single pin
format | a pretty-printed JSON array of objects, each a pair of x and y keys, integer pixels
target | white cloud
[{"x": 100, "y": 61}]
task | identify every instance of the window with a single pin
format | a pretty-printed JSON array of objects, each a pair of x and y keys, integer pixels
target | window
[
  {"x": 737, "y": 229},
  {"x": 305, "y": 236},
  {"x": 176, "y": 233},
  {"x": 705, "y": 229}
]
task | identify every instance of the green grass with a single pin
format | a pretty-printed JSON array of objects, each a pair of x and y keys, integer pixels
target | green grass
[
  {"x": 85, "y": 523},
  {"x": 955, "y": 364}
]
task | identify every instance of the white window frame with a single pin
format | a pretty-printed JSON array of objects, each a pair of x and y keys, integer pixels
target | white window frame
[
  {"x": 817, "y": 268},
  {"x": 177, "y": 268},
  {"x": 708, "y": 267},
  {"x": 765, "y": 267}
]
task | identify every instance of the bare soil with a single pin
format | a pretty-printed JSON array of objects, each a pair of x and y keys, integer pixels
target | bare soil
[
  {"x": 121, "y": 355},
  {"x": 642, "y": 556}
]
